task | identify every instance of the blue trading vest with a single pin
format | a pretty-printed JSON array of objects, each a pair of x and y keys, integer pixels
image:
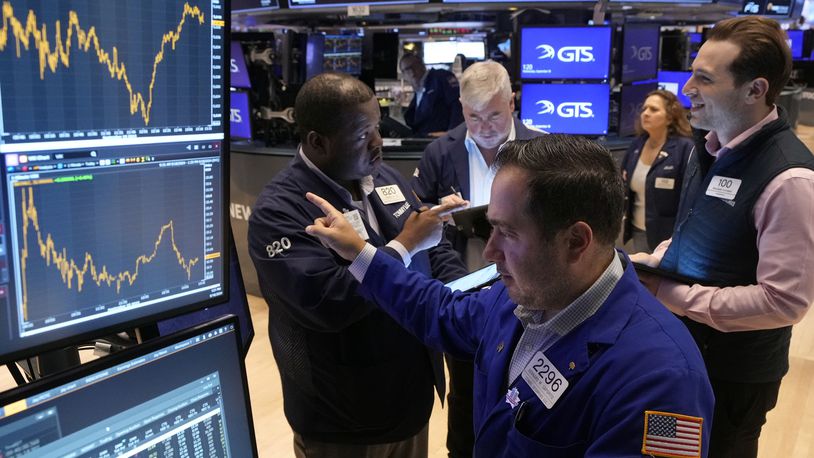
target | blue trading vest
[{"x": 715, "y": 241}]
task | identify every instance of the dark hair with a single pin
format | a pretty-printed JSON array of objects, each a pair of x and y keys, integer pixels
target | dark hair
[
  {"x": 324, "y": 98},
  {"x": 763, "y": 51},
  {"x": 679, "y": 125},
  {"x": 571, "y": 179}
]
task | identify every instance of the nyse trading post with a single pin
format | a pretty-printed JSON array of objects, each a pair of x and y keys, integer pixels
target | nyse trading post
[
  {"x": 566, "y": 108},
  {"x": 565, "y": 52}
]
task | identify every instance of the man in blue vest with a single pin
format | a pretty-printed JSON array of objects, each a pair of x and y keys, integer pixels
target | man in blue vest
[
  {"x": 435, "y": 108},
  {"x": 573, "y": 357},
  {"x": 460, "y": 163},
  {"x": 743, "y": 230}
]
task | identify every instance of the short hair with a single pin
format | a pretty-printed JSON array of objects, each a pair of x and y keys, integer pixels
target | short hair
[
  {"x": 679, "y": 125},
  {"x": 412, "y": 57},
  {"x": 763, "y": 51},
  {"x": 481, "y": 81},
  {"x": 322, "y": 100},
  {"x": 571, "y": 179}
]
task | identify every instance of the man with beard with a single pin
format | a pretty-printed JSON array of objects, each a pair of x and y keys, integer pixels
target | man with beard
[
  {"x": 573, "y": 357},
  {"x": 354, "y": 382}
]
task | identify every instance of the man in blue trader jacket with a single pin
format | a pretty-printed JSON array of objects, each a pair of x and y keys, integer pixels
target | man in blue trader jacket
[
  {"x": 460, "y": 163},
  {"x": 354, "y": 382},
  {"x": 573, "y": 356},
  {"x": 435, "y": 108}
]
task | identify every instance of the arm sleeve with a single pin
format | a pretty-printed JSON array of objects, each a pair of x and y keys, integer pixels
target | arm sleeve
[
  {"x": 784, "y": 290},
  {"x": 444, "y": 320}
]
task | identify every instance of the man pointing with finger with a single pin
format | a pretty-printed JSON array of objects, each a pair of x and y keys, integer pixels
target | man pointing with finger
[
  {"x": 355, "y": 384},
  {"x": 573, "y": 356}
]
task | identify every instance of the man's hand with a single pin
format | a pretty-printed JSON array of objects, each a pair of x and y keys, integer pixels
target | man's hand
[
  {"x": 424, "y": 228},
  {"x": 334, "y": 230}
]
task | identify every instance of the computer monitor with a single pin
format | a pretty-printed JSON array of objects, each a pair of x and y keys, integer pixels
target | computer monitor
[
  {"x": 674, "y": 82},
  {"x": 444, "y": 52},
  {"x": 240, "y": 119},
  {"x": 237, "y": 305},
  {"x": 237, "y": 67},
  {"x": 114, "y": 178},
  {"x": 548, "y": 53},
  {"x": 631, "y": 99},
  {"x": 183, "y": 395},
  {"x": 242, "y": 6},
  {"x": 640, "y": 52},
  {"x": 566, "y": 108},
  {"x": 343, "y": 53},
  {"x": 796, "y": 43},
  {"x": 340, "y": 3}
]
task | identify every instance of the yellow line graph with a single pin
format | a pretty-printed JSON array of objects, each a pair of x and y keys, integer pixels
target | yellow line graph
[
  {"x": 70, "y": 270},
  {"x": 61, "y": 53}
]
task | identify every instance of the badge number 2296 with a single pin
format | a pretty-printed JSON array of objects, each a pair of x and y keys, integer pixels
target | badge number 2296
[{"x": 544, "y": 379}]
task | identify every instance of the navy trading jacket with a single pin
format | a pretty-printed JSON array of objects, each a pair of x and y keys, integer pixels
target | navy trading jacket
[
  {"x": 440, "y": 109},
  {"x": 662, "y": 187},
  {"x": 630, "y": 361},
  {"x": 350, "y": 374}
]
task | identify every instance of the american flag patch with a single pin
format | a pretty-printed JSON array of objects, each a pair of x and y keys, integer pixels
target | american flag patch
[{"x": 671, "y": 435}]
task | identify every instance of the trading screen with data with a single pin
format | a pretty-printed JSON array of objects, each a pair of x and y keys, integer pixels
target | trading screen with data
[
  {"x": 196, "y": 403},
  {"x": 113, "y": 165}
]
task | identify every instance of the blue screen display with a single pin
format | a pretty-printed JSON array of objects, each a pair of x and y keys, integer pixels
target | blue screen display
[
  {"x": 796, "y": 43},
  {"x": 674, "y": 82},
  {"x": 239, "y": 116},
  {"x": 237, "y": 68},
  {"x": 640, "y": 53},
  {"x": 565, "y": 52},
  {"x": 566, "y": 108}
]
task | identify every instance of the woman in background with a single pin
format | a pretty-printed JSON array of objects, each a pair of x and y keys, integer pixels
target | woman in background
[{"x": 653, "y": 169}]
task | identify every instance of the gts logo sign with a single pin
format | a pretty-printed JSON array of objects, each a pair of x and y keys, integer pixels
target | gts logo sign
[
  {"x": 642, "y": 53},
  {"x": 235, "y": 116},
  {"x": 567, "y": 53},
  {"x": 566, "y": 109}
]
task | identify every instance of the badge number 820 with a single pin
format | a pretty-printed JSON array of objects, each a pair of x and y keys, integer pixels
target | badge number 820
[{"x": 278, "y": 246}]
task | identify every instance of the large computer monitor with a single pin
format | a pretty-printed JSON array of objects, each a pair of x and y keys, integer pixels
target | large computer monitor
[
  {"x": 549, "y": 53},
  {"x": 640, "y": 52},
  {"x": 184, "y": 396},
  {"x": 237, "y": 305},
  {"x": 113, "y": 185},
  {"x": 444, "y": 52},
  {"x": 566, "y": 108},
  {"x": 631, "y": 99},
  {"x": 796, "y": 43}
]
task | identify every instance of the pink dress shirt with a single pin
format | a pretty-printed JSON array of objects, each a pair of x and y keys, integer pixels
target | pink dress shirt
[{"x": 783, "y": 215}]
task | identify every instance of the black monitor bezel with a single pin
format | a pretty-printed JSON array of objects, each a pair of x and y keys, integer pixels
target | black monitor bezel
[
  {"x": 126, "y": 324},
  {"x": 129, "y": 354}
]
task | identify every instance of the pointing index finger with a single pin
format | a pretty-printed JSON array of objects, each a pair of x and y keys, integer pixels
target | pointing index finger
[{"x": 323, "y": 204}]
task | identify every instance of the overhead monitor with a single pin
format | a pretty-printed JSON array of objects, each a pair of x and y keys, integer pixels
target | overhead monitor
[
  {"x": 342, "y": 53},
  {"x": 237, "y": 67},
  {"x": 183, "y": 396},
  {"x": 674, "y": 82},
  {"x": 341, "y": 3},
  {"x": 243, "y": 6},
  {"x": 240, "y": 119},
  {"x": 566, "y": 108},
  {"x": 795, "y": 43},
  {"x": 631, "y": 99},
  {"x": 771, "y": 8},
  {"x": 640, "y": 52},
  {"x": 114, "y": 179},
  {"x": 555, "y": 53},
  {"x": 444, "y": 52}
]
